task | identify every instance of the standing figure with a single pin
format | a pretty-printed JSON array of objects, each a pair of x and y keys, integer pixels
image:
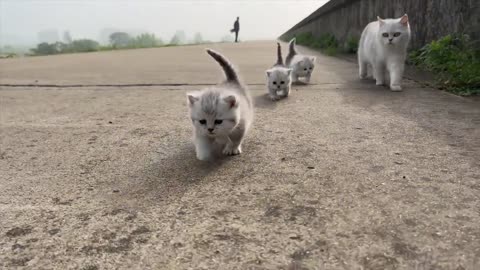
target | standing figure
[{"x": 236, "y": 28}]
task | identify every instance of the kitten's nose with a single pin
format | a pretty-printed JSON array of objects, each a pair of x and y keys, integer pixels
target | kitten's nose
[
  {"x": 390, "y": 39},
  {"x": 210, "y": 130}
]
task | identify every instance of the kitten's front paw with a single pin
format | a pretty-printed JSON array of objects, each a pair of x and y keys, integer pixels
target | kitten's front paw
[
  {"x": 230, "y": 151},
  {"x": 274, "y": 97},
  {"x": 395, "y": 88},
  {"x": 379, "y": 83}
]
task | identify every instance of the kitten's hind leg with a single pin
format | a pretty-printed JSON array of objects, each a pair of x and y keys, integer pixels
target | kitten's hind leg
[
  {"x": 203, "y": 147},
  {"x": 234, "y": 145}
]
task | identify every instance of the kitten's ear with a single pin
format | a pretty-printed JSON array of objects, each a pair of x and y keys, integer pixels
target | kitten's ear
[
  {"x": 269, "y": 72},
  {"x": 313, "y": 59},
  {"x": 192, "y": 99},
  {"x": 380, "y": 20},
  {"x": 289, "y": 71},
  {"x": 231, "y": 100},
  {"x": 404, "y": 20}
]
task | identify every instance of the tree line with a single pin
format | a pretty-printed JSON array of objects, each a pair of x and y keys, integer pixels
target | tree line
[{"x": 117, "y": 40}]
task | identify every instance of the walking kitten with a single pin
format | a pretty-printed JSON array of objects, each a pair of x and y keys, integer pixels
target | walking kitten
[
  {"x": 221, "y": 115},
  {"x": 301, "y": 65},
  {"x": 383, "y": 45},
  {"x": 279, "y": 78}
]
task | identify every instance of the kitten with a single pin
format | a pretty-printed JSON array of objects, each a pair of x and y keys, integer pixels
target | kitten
[
  {"x": 301, "y": 65},
  {"x": 278, "y": 78},
  {"x": 383, "y": 45},
  {"x": 221, "y": 115}
]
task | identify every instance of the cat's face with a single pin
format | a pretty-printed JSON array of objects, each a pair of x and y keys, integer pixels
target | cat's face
[
  {"x": 279, "y": 78},
  {"x": 212, "y": 114},
  {"x": 394, "y": 31},
  {"x": 306, "y": 66}
]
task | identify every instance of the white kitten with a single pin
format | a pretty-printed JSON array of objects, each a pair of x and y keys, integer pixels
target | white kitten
[
  {"x": 301, "y": 65},
  {"x": 221, "y": 115},
  {"x": 278, "y": 78},
  {"x": 383, "y": 45}
]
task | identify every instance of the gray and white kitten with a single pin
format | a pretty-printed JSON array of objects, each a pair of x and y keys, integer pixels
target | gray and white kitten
[
  {"x": 221, "y": 115},
  {"x": 301, "y": 65},
  {"x": 279, "y": 78},
  {"x": 383, "y": 46}
]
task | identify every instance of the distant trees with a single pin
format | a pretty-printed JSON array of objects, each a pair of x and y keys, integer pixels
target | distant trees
[
  {"x": 84, "y": 45},
  {"x": 80, "y": 45},
  {"x": 124, "y": 40},
  {"x": 146, "y": 40},
  {"x": 178, "y": 38},
  {"x": 45, "y": 48},
  {"x": 120, "y": 39}
]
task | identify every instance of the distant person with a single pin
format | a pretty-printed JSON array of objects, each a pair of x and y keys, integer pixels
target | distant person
[{"x": 236, "y": 28}]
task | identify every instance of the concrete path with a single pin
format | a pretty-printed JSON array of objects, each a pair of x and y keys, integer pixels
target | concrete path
[{"x": 341, "y": 175}]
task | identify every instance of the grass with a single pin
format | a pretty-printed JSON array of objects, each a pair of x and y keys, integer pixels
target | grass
[
  {"x": 455, "y": 61},
  {"x": 327, "y": 43}
]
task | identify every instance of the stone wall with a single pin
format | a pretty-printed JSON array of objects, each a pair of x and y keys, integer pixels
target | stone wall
[{"x": 429, "y": 19}]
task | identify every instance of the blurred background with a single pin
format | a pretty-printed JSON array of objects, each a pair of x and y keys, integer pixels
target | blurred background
[{"x": 89, "y": 25}]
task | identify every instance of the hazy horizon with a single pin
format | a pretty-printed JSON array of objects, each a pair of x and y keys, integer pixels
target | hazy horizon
[{"x": 22, "y": 20}]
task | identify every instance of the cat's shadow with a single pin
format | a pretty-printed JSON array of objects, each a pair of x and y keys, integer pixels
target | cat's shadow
[
  {"x": 300, "y": 83},
  {"x": 172, "y": 175},
  {"x": 265, "y": 102}
]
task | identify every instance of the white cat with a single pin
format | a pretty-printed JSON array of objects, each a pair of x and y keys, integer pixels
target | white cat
[
  {"x": 279, "y": 78},
  {"x": 383, "y": 45},
  {"x": 221, "y": 115},
  {"x": 301, "y": 65}
]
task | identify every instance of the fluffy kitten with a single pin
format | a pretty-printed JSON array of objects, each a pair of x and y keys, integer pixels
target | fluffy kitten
[
  {"x": 383, "y": 45},
  {"x": 221, "y": 115},
  {"x": 278, "y": 78},
  {"x": 301, "y": 65}
]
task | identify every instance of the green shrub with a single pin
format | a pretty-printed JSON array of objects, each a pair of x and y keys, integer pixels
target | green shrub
[
  {"x": 326, "y": 42},
  {"x": 455, "y": 61},
  {"x": 351, "y": 46}
]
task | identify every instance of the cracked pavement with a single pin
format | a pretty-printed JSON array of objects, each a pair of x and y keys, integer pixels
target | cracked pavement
[{"x": 98, "y": 170}]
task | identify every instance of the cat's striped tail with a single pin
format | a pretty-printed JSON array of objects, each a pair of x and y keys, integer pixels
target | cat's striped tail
[
  {"x": 279, "y": 55},
  {"x": 291, "y": 51},
  {"x": 227, "y": 67}
]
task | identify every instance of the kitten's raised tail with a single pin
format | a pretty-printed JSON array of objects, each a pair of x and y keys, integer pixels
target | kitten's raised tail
[
  {"x": 228, "y": 69},
  {"x": 279, "y": 55},
  {"x": 291, "y": 51}
]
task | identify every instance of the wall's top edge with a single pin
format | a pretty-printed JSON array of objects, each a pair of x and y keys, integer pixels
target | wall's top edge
[{"x": 330, "y": 6}]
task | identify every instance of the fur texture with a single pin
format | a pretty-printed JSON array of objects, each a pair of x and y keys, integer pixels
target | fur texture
[
  {"x": 302, "y": 65},
  {"x": 383, "y": 46},
  {"x": 279, "y": 78},
  {"x": 221, "y": 115}
]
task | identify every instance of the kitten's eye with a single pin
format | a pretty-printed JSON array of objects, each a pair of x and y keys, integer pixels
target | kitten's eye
[
  {"x": 311, "y": 68},
  {"x": 274, "y": 82},
  {"x": 202, "y": 122},
  {"x": 218, "y": 122},
  {"x": 385, "y": 34},
  {"x": 305, "y": 69},
  {"x": 397, "y": 34},
  {"x": 282, "y": 82}
]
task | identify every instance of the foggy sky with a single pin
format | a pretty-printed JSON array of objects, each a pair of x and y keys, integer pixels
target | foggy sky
[{"x": 21, "y": 20}]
